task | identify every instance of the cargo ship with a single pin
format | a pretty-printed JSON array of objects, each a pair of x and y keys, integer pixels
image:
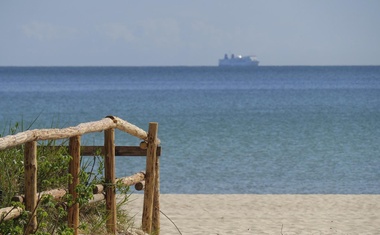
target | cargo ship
[{"x": 238, "y": 61}]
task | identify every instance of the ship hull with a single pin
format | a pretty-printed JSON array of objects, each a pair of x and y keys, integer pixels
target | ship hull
[{"x": 224, "y": 63}]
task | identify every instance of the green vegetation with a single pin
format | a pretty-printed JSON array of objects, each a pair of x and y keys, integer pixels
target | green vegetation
[{"x": 52, "y": 174}]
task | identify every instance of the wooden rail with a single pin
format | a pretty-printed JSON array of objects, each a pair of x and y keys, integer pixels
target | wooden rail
[
  {"x": 84, "y": 128},
  {"x": 150, "y": 148}
]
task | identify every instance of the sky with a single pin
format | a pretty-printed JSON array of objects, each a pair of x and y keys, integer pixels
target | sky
[{"x": 188, "y": 33}]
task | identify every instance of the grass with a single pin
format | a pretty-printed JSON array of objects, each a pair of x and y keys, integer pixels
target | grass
[{"x": 52, "y": 174}]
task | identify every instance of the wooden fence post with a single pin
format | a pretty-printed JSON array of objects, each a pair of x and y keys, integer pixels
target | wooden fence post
[
  {"x": 74, "y": 168},
  {"x": 156, "y": 198},
  {"x": 110, "y": 181},
  {"x": 150, "y": 180},
  {"x": 30, "y": 174}
]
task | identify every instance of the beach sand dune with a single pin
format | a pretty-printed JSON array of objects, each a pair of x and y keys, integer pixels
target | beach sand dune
[{"x": 265, "y": 214}]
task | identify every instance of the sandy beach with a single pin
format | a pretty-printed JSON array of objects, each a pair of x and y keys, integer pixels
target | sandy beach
[{"x": 265, "y": 214}]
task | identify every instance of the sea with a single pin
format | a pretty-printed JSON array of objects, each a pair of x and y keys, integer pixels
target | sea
[{"x": 261, "y": 130}]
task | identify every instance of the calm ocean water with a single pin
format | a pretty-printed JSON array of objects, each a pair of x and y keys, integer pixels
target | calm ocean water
[{"x": 261, "y": 130}]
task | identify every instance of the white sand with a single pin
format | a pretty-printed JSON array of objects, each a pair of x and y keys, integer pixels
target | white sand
[{"x": 266, "y": 214}]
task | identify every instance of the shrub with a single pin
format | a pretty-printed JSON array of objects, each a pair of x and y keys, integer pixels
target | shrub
[{"x": 52, "y": 174}]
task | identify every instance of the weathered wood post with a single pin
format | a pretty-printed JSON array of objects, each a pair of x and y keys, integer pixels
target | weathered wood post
[
  {"x": 150, "y": 182},
  {"x": 74, "y": 168},
  {"x": 110, "y": 181},
  {"x": 30, "y": 174},
  {"x": 156, "y": 197}
]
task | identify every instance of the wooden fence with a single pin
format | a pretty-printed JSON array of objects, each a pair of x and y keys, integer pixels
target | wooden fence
[{"x": 149, "y": 148}]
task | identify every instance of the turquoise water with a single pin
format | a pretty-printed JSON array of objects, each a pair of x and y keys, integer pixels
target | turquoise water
[{"x": 262, "y": 130}]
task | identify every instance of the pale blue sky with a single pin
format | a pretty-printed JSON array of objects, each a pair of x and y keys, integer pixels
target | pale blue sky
[{"x": 196, "y": 32}]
